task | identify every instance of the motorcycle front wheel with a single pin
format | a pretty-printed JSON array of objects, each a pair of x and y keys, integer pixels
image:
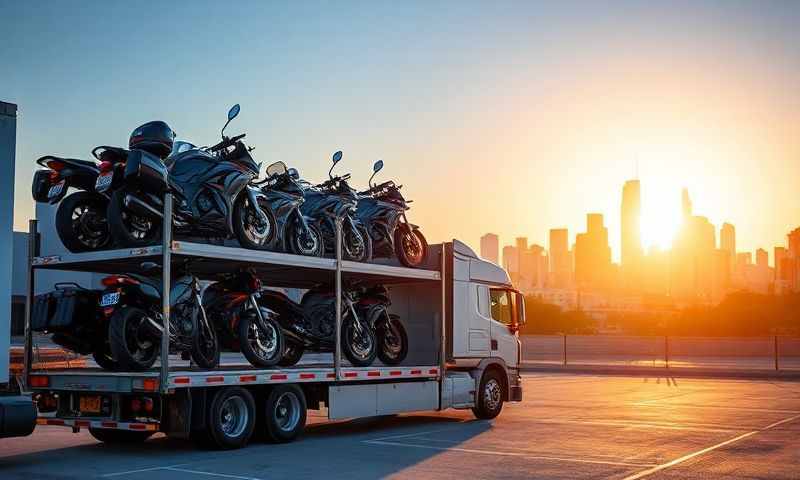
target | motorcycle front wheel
[
  {"x": 205, "y": 348},
  {"x": 81, "y": 222},
  {"x": 250, "y": 229},
  {"x": 128, "y": 229},
  {"x": 410, "y": 246},
  {"x": 392, "y": 341},
  {"x": 308, "y": 243},
  {"x": 358, "y": 342},
  {"x": 131, "y": 343},
  {"x": 356, "y": 245},
  {"x": 260, "y": 348}
]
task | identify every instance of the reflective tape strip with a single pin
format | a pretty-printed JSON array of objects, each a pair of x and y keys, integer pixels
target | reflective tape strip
[{"x": 151, "y": 427}]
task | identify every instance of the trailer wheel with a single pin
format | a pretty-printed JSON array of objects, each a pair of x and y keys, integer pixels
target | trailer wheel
[
  {"x": 231, "y": 418},
  {"x": 284, "y": 413},
  {"x": 110, "y": 435},
  {"x": 490, "y": 396}
]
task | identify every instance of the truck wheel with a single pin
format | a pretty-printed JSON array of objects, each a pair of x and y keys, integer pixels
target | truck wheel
[
  {"x": 231, "y": 418},
  {"x": 110, "y": 435},
  {"x": 284, "y": 413},
  {"x": 490, "y": 396}
]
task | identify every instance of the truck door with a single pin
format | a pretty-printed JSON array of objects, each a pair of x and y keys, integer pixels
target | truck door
[{"x": 505, "y": 313}]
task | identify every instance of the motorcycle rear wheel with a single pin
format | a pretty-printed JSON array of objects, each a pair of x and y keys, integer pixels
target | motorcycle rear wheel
[
  {"x": 131, "y": 345},
  {"x": 292, "y": 353},
  {"x": 410, "y": 246},
  {"x": 81, "y": 222},
  {"x": 127, "y": 229}
]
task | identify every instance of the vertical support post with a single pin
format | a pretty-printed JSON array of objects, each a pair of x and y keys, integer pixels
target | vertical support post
[
  {"x": 33, "y": 251},
  {"x": 8, "y": 150},
  {"x": 565, "y": 350},
  {"x": 777, "y": 367},
  {"x": 666, "y": 351},
  {"x": 166, "y": 279},
  {"x": 443, "y": 326},
  {"x": 337, "y": 351}
]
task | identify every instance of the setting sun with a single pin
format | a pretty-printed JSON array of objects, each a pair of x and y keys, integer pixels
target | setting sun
[{"x": 660, "y": 217}]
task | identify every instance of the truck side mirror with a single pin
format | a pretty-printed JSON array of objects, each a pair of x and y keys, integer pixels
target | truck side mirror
[{"x": 520, "y": 309}]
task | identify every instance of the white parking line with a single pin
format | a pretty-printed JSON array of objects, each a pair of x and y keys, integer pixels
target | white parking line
[
  {"x": 628, "y": 424},
  {"x": 658, "y": 468},
  {"x": 509, "y": 454},
  {"x": 211, "y": 474}
]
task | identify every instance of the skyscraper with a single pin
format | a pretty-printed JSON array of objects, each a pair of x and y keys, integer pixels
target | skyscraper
[
  {"x": 631, "y": 233},
  {"x": 762, "y": 258},
  {"x": 593, "y": 255},
  {"x": 511, "y": 262},
  {"x": 686, "y": 204},
  {"x": 490, "y": 247},
  {"x": 560, "y": 263},
  {"x": 727, "y": 238}
]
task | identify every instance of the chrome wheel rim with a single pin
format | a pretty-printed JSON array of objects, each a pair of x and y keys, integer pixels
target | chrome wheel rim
[
  {"x": 265, "y": 344},
  {"x": 360, "y": 342},
  {"x": 256, "y": 231},
  {"x": 287, "y": 411},
  {"x": 492, "y": 394},
  {"x": 233, "y": 416},
  {"x": 89, "y": 226},
  {"x": 307, "y": 243}
]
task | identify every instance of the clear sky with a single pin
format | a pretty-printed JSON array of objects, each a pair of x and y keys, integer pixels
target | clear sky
[{"x": 510, "y": 117}]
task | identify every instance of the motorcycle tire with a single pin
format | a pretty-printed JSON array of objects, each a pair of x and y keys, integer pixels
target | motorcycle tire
[
  {"x": 81, "y": 222},
  {"x": 392, "y": 341},
  {"x": 205, "y": 351},
  {"x": 249, "y": 238},
  {"x": 256, "y": 345},
  {"x": 360, "y": 348},
  {"x": 297, "y": 246},
  {"x": 292, "y": 352},
  {"x": 410, "y": 246},
  {"x": 133, "y": 349},
  {"x": 365, "y": 253},
  {"x": 127, "y": 229}
]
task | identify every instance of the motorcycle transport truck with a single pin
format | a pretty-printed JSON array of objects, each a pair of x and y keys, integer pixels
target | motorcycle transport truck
[{"x": 461, "y": 313}]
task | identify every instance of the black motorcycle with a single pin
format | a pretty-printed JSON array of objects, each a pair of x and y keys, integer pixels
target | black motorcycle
[
  {"x": 382, "y": 210},
  {"x": 81, "y": 216},
  {"x": 241, "y": 323},
  {"x": 334, "y": 199},
  {"x": 312, "y": 326},
  {"x": 372, "y": 304},
  {"x": 214, "y": 195},
  {"x": 133, "y": 304},
  {"x": 297, "y": 233}
]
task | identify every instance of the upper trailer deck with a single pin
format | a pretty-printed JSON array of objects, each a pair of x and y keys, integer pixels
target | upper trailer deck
[{"x": 204, "y": 260}]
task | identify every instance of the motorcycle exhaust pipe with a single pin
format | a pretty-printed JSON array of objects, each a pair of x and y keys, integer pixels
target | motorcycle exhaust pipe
[
  {"x": 154, "y": 327},
  {"x": 141, "y": 208}
]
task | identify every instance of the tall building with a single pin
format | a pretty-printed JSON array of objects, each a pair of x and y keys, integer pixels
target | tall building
[
  {"x": 593, "y": 268},
  {"x": 727, "y": 238},
  {"x": 532, "y": 268},
  {"x": 560, "y": 262},
  {"x": 686, "y": 204},
  {"x": 762, "y": 258},
  {"x": 490, "y": 248},
  {"x": 793, "y": 265},
  {"x": 631, "y": 233},
  {"x": 511, "y": 262},
  {"x": 779, "y": 257},
  {"x": 693, "y": 257}
]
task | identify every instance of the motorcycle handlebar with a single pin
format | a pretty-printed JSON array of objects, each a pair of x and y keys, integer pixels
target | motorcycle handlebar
[{"x": 227, "y": 142}]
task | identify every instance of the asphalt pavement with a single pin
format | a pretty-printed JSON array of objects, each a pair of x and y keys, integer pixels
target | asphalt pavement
[{"x": 569, "y": 426}]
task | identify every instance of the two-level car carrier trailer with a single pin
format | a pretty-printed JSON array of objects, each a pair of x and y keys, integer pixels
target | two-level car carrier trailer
[{"x": 459, "y": 356}]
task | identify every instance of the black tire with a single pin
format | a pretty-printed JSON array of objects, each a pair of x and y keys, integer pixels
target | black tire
[
  {"x": 490, "y": 395},
  {"x": 127, "y": 229},
  {"x": 298, "y": 244},
  {"x": 360, "y": 347},
  {"x": 410, "y": 246},
  {"x": 284, "y": 413},
  {"x": 81, "y": 222},
  {"x": 230, "y": 418},
  {"x": 132, "y": 347},
  {"x": 113, "y": 436},
  {"x": 392, "y": 341},
  {"x": 261, "y": 349},
  {"x": 105, "y": 360},
  {"x": 292, "y": 352},
  {"x": 361, "y": 250},
  {"x": 245, "y": 224},
  {"x": 205, "y": 350}
]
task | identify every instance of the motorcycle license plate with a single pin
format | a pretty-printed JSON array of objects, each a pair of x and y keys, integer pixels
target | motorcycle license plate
[
  {"x": 90, "y": 404},
  {"x": 56, "y": 189},
  {"x": 103, "y": 181},
  {"x": 109, "y": 299}
]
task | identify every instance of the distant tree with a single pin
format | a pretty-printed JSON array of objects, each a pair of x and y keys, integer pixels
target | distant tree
[{"x": 547, "y": 319}]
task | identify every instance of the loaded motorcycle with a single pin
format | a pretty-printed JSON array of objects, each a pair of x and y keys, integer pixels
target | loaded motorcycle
[
  {"x": 81, "y": 216},
  {"x": 241, "y": 323},
  {"x": 381, "y": 209},
  {"x": 313, "y": 327},
  {"x": 214, "y": 192},
  {"x": 133, "y": 304},
  {"x": 297, "y": 232},
  {"x": 372, "y": 305},
  {"x": 334, "y": 199}
]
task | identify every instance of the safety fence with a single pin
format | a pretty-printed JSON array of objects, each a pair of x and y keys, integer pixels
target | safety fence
[{"x": 735, "y": 353}]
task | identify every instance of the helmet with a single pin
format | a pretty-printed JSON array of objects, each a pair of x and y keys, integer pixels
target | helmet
[{"x": 153, "y": 137}]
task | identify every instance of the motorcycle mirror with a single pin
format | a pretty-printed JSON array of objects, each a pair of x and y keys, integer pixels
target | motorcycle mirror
[
  {"x": 375, "y": 169},
  {"x": 232, "y": 113},
  {"x": 277, "y": 168},
  {"x": 294, "y": 173},
  {"x": 337, "y": 157}
]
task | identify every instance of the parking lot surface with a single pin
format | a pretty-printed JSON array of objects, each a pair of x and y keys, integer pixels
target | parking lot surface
[{"x": 569, "y": 426}]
